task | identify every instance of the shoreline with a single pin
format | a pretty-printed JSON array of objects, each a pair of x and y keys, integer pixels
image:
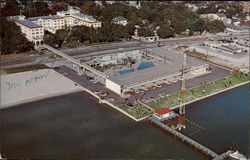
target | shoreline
[
  {"x": 210, "y": 95},
  {"x": 143, "y": 118},
  {"x": 39, "y": 98},
  {"x": 103, "y": 101}
]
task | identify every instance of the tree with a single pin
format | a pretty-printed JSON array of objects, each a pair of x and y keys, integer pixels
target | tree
[
  {"x": 165, "y": 31},
  {"x": 242, "y": 17},
  {"x": 10, "y": 9},
  {"x": 81, "y": 33},
  {"x": 144, "y": 32},
  {"x": 12, "y": 39},
  {"x": 169, "y": 13},
  {"x": 143, "y": 12},
  {"x": 90, "y": 8},
  {"x": 57, "y": 39},
  {"x": 215, "y": 26},
  {"x": 59, "y": 6},
  {"x": 198, "y": 26},
  {"x": 119, "y": 32},
  {"x": 42, "y": 9},
  {"x": 130, "y": 28},
  {"x": 179, "y": 26},
  {"x": 233, "y": 10},
  {"x": 230, "y": 12}
]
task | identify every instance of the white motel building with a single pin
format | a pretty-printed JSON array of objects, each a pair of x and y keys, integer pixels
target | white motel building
[{"x": 33, "y": 27}]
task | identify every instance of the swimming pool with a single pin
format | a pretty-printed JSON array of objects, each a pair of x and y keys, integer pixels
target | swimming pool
[
  {"x": 142, "y": 65},
  {"x": 124, "y": 71},
  {"x": 145, "y": 64}
]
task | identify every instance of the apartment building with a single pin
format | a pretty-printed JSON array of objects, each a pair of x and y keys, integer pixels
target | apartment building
[
  {"x": 73, "y": 17},
  {"x": 32, "y": 31},
  {"x": 33, "y": 27},
  {"x": 50, "y": 23}
]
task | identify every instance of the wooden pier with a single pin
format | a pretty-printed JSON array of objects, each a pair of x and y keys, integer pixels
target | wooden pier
[{"x": 188, "y": 140}]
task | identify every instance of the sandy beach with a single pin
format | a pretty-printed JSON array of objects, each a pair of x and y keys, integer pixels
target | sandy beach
[{"x": 34, "y": 85}]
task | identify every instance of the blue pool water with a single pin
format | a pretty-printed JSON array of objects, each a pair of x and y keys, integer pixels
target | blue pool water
[
  {"x": 124, "y": 71},
  {"x": 145, "y": 64}
]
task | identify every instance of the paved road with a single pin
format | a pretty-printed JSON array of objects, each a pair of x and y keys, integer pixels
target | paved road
[
  {"x": 96, "y": 48},
  {"x": 110, "y": 48},
  {"x": 44, "y": 59},
  {"x": 124, "y": 44}
]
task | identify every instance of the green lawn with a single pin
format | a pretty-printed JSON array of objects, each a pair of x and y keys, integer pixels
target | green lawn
[
  {"x": 136, "y": 111},
  {"x": 198, "y": 92}
]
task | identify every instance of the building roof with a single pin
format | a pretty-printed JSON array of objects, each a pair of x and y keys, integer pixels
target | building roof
[
  {"x": 84, "y": 16},
  {"x": 44, "y": 17},
  {"x": 25, "y": 22},
  {"x": 29, "y": 23},
  {"x": 163, "y": 111},
  {"x": 171, "y": 67},
  {"x": 119, "y": 18}
]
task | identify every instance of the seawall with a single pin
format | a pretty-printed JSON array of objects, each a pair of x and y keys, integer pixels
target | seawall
[{"x": 210, "y": 95}]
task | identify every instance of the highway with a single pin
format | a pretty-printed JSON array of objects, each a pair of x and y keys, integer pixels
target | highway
[{"x": 111, "y": 48}]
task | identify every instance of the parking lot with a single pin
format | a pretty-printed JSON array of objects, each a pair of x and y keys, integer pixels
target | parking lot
[{"x": 146, "y": 94}]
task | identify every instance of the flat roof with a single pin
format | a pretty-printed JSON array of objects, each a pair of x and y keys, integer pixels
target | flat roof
[
  {"x": 25, "y": 22},
  {"x": 81, "y": 15},
  {"x": 44, "y": 17},
  {"x": 119, "y": 18},
  {"x": 173, "y": 66},
  {"x": 28, "y": 23}
]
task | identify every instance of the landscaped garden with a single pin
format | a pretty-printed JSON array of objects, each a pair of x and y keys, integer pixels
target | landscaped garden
[{"x": 136, "y": 111}]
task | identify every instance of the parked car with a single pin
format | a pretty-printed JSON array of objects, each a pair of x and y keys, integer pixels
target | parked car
[{"x": 158, "y": 85}]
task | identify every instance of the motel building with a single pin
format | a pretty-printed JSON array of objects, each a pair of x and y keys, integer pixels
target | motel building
[
  {"x": 33, "y": 27},
  {"x": 164, "y": 113},
  {"x": 167, "y": 68}
]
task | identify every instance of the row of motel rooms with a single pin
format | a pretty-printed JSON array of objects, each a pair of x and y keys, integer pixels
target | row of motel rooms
[{"x": 33, "y": 28}]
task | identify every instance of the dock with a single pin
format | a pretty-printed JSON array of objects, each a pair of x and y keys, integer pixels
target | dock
[{"x": 188, "y": 140}]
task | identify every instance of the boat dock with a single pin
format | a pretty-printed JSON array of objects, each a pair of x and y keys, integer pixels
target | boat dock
[{"x": 188, "y": 140}]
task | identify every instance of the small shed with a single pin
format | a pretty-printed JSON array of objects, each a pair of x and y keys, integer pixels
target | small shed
[{"x": 164, "y": 113}]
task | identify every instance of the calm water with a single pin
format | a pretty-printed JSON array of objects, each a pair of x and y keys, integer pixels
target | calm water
[{"x": 76, "y": 126}]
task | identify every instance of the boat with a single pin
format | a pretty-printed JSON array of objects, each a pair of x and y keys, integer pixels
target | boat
[{"x": 237, "y": 156}]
